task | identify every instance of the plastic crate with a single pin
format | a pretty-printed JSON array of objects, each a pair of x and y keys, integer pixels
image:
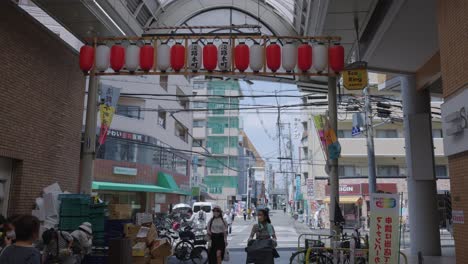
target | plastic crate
[
  {"x": 74, "y": 209},
  {"x": 98, "y": 224},
  {"x": 71, "y": 223},
  {"x": 81, "y": 198},
  {"x": 95, "y": 259}
]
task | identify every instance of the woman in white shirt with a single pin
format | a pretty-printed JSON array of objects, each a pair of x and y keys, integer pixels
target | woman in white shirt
[{"x": 217, "y": 230}]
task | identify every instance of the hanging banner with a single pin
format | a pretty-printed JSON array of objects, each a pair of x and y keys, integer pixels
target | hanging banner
[
  {"x": 330, "y": 145},
  {"x": 310, "y": 188},
  {"x": 110, "y": 96},
  {"x": 384, "y": 229},
  {"x": 298, "y": 187}
]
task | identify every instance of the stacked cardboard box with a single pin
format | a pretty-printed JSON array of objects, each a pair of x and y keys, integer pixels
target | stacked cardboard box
[
  {"x": 120, "y": 211},
  {"x": 147, "y": 248}
]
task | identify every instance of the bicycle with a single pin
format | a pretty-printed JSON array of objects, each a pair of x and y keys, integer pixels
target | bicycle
[{"x": 191, "y": 247}]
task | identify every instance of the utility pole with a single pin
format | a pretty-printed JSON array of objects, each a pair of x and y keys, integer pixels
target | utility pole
[
  {"x": 249, "y": 182},
  {"x": 291, "y": 155},
  {"x": 370, "y": 142},
  {"x": 333, "y": 164},
  {"x": 89, "y": 146}
]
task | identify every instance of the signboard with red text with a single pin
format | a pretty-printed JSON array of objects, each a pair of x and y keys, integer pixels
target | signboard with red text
[{"x": 384, "y": 229}]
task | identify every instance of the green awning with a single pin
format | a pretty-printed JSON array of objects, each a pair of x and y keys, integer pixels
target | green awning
[
  {"x": 114, "y": 186},
  {"x": 166, "y": 180},
  {"x": 126, "y": 187}
]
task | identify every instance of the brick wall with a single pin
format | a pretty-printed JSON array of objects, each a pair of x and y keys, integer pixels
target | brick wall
[
  {"x": 41, "y": 106},
  {"x": 453, "y": 41}
]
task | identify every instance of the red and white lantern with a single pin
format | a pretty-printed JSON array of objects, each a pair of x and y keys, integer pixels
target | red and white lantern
[
  {"x": 132, "y": 57},
  {"x": 320, "y": 57},
  {"x": 102, "y": 58},
  {"x": 224, "y": 56},
  {"x": 177, "y": 57},
  {"x": 336, "y": 57},
  {"x": 117, "y": 57},
  {"x": 86, "y": 58},
  {"x": 241, "y": 56},
  {"x": 210, "y": 59},
  {"x": 256, "y": 57},
  {"x": 304, "y": 57},
  {"x": 146, "y": 57},
  {"x": 289, "y": 57},
  {"x": 163, "y": 59},
  {"x": 194, "y": 57},
  {"x": 273, "y": 56}
]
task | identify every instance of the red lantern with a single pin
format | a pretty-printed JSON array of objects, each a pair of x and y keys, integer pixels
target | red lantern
[
  {"x": 177, "y": 57},
  {"x": 241, "y": 57},
  {"x": 304, "y": 57},
  {"x": 336, "y": 57},
  {"x": 210, "y": 56},
  {"x": 146, "y": 57},
  {"x": 117, "y": 57},
  {"x": 86, "y": 58},
  {"x": 273, "y": 57}
]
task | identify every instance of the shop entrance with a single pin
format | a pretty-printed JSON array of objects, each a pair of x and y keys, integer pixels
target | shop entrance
[{"x": 6, "y": 171}]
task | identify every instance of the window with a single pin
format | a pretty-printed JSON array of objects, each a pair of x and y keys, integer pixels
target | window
[
  {"x": 437, "y": 133},
  {"x": 181, "y": 165},
  {"x": 197, "y": 143},
  {"x": 306, "y": 175},
  {"x": 344, "y": 133},
  {"x": 181, "y": 131},
  {"x": 182, "y": 99},
  {"x": 199, "y": 123},
  {"x": 304, "y": 125},
  {"x": 199, "y": 105},
  {"x": 164, "y": 81},
  {"x": 387, "y": 171},
  {"x": 128, "y": 151},
  {"x": 386, "y": 133},
  {"x": 162, "y": 117},
  {"x": 346, "y": 171},
  {"x": 305, "y": 153},
  {"x": 199, "y": 85},
  {"x": 441, "y": 171},
  {"x": 131, "y": 111}
]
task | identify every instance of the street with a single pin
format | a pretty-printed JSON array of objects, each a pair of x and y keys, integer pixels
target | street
[{"x": 287, "y": 232}]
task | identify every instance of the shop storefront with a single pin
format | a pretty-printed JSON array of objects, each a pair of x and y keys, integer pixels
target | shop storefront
[{"x": 354, "y": 201}]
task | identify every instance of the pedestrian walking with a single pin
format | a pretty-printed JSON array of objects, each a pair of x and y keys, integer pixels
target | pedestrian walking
[
  {"x": 233, "y": 215},
  {"x": 58, "y": 247},
  {"x": 284, "y": 210},
  {"x": 228, "y": 220},
  {"x": 254, "y": 214},
  {"x": 249, "y": 213},
  {"x": 245, "y": 214},
  {"x": 22, "y": 251},
  {"x": 217, "y": 231}
]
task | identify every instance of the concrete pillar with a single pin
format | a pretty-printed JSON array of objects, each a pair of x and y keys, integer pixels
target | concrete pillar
[{"x": 422, "y": 189}]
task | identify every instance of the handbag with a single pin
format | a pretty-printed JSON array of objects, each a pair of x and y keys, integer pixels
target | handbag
[{"x": 226, "y": 255}]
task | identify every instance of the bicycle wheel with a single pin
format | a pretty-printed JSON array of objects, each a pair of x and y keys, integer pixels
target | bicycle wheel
[
  {"x": 199, "y": 255},
  {"x": 183, "y": 250},
  {"x": 298, "y": 257},
  {"x": 320, "y": 259}
]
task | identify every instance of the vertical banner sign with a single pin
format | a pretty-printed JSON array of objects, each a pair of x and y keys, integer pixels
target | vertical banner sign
[
  {"x": 110, "y": 96},
  {"x": 384, "y": 229},
  {"x": 310, "y": 188},
  {"x": 298, "y": 187}
]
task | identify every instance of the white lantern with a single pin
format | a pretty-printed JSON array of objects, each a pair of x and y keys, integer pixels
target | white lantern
[
  {"x": 224, "y": 56},
  {"x": 194, "y": 57},
  {"x": 102, "y": 58},
  {"x": 289, "y": 57},
  {"x": 257, "y": 57},
  {"x": 163, "y": 57},
  {"x": 320, "y": 57},
  {"x": 132, "y": 57}
]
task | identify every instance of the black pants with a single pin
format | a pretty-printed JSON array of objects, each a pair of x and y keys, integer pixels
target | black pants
[{"x": 217, "y": 243}]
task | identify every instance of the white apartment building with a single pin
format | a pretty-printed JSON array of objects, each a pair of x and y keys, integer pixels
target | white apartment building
[
  {"x": 391, "y": 168},
  {"x": 216, "y": 137}
]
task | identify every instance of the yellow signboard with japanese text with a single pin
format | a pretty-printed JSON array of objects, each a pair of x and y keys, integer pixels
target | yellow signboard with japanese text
[
  {"x": 355, "y": 79},
  {"x": 384, "y": 228}
]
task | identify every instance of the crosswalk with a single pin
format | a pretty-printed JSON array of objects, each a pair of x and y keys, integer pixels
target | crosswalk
[{"x": 286, "y": 236}]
